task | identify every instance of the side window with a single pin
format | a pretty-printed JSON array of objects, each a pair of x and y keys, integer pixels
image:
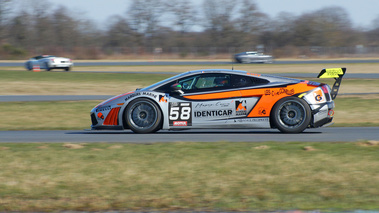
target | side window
[
  {"x": 213, "y": 81},
  {"x": 247, "y": 81},
  {"x": 188, "y": 83},
  {"x": 209, "y": 81}
]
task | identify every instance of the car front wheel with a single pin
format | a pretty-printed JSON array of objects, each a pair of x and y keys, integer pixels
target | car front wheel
[
  {"x": 29, "y": 66},
  {"x": 143, "y": 116},
  {"x": 291, "y": 115}
]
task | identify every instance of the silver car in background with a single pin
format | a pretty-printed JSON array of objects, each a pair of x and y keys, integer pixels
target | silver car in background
[
  {"x": 49, "y": 62},
  {"x": 252, "y": 57}
]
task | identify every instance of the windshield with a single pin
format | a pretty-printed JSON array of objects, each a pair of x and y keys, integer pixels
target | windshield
[{"x": 163, "y": 81}]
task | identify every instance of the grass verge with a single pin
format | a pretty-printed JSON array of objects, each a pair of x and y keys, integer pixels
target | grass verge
[
  {"x": 70, "y": 83},
  {"x": 189, "y": 176}
]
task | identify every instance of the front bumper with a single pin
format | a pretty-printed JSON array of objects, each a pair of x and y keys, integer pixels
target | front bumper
[
  {"x": 110, "y": 122},
  {"x": 59, "y": 65}
]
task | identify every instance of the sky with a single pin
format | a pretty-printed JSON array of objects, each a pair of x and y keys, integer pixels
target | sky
[{"x": 361, "y": 12}]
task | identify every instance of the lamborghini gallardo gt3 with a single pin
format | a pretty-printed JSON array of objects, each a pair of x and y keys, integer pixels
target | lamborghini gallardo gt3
[{"x": 221, "y": 98}]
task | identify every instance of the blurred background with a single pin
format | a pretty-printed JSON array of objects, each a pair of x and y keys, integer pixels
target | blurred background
[{"x": 187, "y": 29}]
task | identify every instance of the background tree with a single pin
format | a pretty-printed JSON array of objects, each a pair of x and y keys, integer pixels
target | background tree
[
  {"x": 218, "y": 21},
  {"x": 4, "y": 12},
  {"x": 183, "y": 14},
  {"x": 251, "y": 23},
  {"x": 144, "y": 18}
]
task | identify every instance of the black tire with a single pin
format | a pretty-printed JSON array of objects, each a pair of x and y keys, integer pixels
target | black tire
[
  {"x": 47, "y": 67},
  {"x": 143, "y": 116},
  {"x": 67, "y": 68},
  {"x": 29, "y": 66},
  {"x": 245, "y": 60},
  {"x": 291, "y": 115}
]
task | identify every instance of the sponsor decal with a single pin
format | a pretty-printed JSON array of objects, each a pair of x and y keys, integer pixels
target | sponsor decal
[
  {"x": 217, "y": 104},
  {"x": 180, "y": 123},
  {"x": 100, "y": 115},
  {"x": 141, "y": 93},
  {"x": 162, "y": 98},
  {"x": 180, "y": 113},
  {"x": 213, "y": 113},
  {"x": 103, "y": 108},
  {"x": 275, "y": 92},
  {"x": 250, "y": 120},
  {"x": 262, "y": 111},
  {"x": 241, "y": 107},
  {"x": 318, "y": 96},
  {"x": 253, "y": 74}
]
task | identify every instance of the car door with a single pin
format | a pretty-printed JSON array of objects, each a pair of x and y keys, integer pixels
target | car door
[{"x": 205, "y": 101}]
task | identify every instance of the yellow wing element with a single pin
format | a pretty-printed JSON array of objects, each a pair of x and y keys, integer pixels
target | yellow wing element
[
  {"x": 332, "y": 73},
  {"x": 337, "y": 74}
]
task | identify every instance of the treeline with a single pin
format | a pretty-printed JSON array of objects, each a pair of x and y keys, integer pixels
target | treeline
[{"x": 178, "y": 28}]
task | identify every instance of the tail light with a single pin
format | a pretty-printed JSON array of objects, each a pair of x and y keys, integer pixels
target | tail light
[
  {"x": 326, "y": 89},
  {"x": 52, "y": 60},
  {"x": 331, "y": 113}
]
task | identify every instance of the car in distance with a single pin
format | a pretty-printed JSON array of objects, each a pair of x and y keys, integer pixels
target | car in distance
[
  {"x": 252, "y": 57},
  {"x": 222, "y": 99},
  {"x": 49, "y": 62}
]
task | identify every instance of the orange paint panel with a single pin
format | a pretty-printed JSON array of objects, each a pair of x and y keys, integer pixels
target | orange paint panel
[
  {"x": 269, "y": 96},
  {"x": 220, "y": 95},
  {"x": 112, "y": 116}
]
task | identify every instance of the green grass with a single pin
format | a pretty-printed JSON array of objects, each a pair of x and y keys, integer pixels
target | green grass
[
  {"x": 72, "y": 83},
  {"x": 7, "y": 76},
  {"x": 46, "y": 115},
  {"x": 189, "y": 176}
]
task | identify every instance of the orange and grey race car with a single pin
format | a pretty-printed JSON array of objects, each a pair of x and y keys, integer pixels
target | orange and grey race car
[{"x": 222, "y": 99}]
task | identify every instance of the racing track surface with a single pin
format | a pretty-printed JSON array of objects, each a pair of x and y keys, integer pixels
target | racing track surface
[{"x": 327, "y": 134}]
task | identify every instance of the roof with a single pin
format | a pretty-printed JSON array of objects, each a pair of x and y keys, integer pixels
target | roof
[{"x": 216, "y": 71}]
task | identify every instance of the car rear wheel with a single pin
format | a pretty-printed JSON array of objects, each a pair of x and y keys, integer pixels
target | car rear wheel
[
  {"x": 47, "y": 67},
  {"x": 67, "y": 69},
  {"x": 143, "y": 116},
  {"x": 291, "y": 115}
]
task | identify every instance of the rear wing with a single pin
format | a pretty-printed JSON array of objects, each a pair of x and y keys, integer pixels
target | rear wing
[{"x": 337, "y": 74}]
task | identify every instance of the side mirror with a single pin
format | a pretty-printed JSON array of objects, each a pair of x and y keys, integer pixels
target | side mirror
[{"x": 177, "y": 88}]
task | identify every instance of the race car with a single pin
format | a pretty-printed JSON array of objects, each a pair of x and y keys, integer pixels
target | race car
[
  {"x": 49, "y": 62},
  {"x": 252, "y": 57},
  {"x": 219, "y": 98}
]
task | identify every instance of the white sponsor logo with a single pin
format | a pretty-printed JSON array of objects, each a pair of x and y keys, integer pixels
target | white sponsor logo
[{"x": 180, "y": 123}]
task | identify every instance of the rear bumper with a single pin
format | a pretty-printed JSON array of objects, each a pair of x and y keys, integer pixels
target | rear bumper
[
  {"x": 322, "y": 115},
  {"x": 323, "y": 122}
]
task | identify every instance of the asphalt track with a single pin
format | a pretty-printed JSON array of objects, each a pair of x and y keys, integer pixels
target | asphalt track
[{"x": 327, "y": 134}]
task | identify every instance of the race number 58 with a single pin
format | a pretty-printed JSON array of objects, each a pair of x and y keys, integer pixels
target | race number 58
[
  {"x": 184, "y": 113},
  {"x": 180, "y": 112}
]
